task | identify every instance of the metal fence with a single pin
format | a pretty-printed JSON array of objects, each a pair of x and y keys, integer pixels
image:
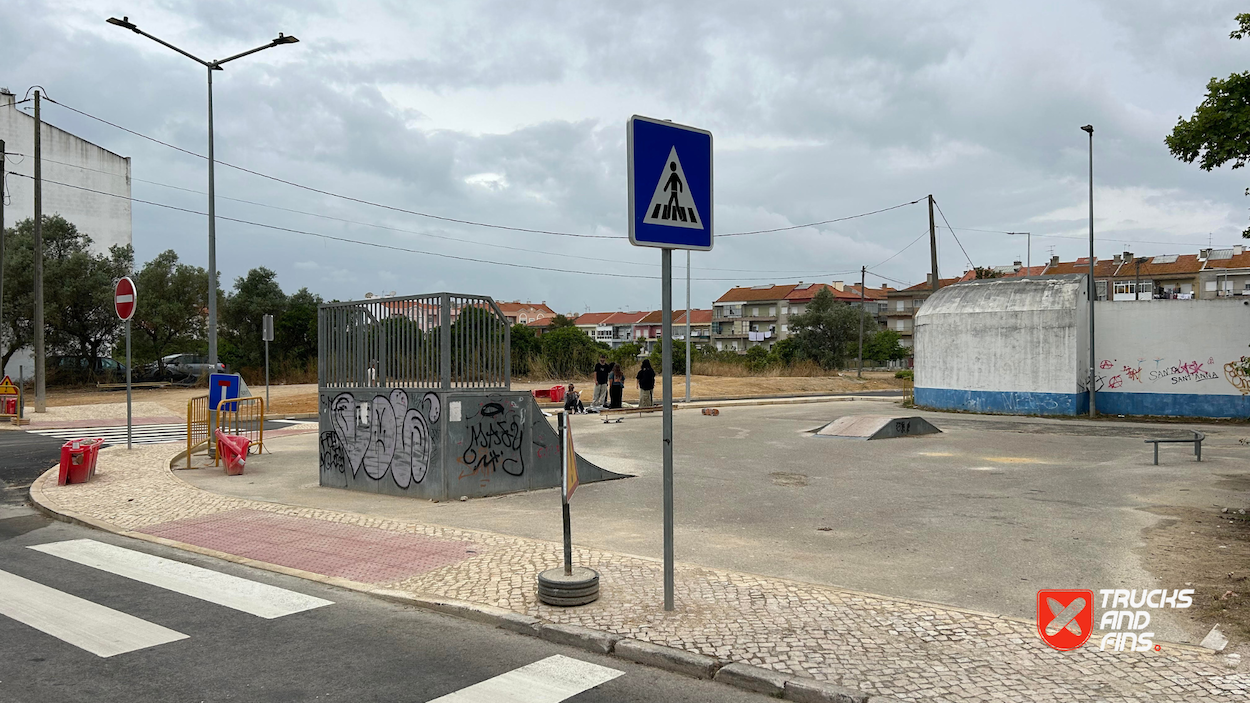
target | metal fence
[
  {"x": 436, "y": 341},
  {"x": 197, "y": 425},
  {"x": 244, "y": 417}
]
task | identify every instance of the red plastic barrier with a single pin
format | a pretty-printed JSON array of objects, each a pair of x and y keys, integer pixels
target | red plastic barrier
[
  {"x": 556, "y": 394},
  {"x": 542, "y": 394},
  {"x": 78, "y": 459},
  {"x": 8, "y": 405},
  {"x": 233, "y": 450}
]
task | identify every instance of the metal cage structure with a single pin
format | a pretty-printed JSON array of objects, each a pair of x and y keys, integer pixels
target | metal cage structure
[{"x": 436, "y": 341}]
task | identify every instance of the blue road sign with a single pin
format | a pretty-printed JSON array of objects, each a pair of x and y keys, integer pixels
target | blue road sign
[
  {"x": 670, "y": 185},
  {"x": 223, "y": 386}
]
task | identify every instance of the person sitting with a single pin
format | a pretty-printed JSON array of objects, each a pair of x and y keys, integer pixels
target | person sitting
[{"x": 573, "y": 401}]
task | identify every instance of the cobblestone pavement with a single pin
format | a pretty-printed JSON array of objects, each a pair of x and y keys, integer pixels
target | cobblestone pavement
[{"x": 884, "y": 646}]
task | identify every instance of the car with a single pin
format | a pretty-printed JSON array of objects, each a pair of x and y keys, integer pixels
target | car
[
  {"x": 183, "y": 367},
  {"x": 74, "y": 370}
]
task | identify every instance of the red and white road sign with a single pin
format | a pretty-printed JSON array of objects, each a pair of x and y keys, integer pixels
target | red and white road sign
[{"x": 124, "y": 298}]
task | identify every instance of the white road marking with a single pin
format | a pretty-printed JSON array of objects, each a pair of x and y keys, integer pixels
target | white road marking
[
  {"x": 102, "y": 631},
  {"x": 550, "y": 680},
  {"x": 259, "y": 599}
]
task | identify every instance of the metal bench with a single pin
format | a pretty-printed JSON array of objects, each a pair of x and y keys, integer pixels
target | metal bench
[{"x": 1196, "y": 440}]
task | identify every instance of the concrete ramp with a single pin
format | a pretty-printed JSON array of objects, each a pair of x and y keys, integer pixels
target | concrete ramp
[{"x": 876, "y": 427}]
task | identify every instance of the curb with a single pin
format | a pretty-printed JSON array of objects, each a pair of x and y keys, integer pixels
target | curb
[{"x": 678, "y": 661}]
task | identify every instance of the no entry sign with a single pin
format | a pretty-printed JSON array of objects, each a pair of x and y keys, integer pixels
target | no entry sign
[{"x": 124, "y": 298}]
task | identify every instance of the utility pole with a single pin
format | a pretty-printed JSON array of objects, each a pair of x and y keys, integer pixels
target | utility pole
[
  {"x": 933, "y": 245},
  {"x": 860, "y": 372},
  {"x": 41, "y": 399}
]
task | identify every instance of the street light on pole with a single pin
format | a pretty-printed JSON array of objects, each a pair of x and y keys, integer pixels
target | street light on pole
[
  {"x": 1093, "y": 287},
  {"x": 125, "y": 23}
]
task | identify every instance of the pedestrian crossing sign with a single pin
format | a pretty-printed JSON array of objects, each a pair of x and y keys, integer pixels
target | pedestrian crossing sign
[{"x": 672, "y": 164}]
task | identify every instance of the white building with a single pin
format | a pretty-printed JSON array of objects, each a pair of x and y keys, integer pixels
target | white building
[{"x": 70, "y": 160}]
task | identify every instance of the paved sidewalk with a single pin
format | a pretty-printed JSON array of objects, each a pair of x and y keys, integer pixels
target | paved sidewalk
[{"x": 883, "y": 646}]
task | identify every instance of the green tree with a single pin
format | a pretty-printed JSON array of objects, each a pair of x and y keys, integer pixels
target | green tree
[
  {"x": 255, "y": 295},
  {"x": 295, "y": 331},
  {"x": 170, "y": 315},
  {"x": 883, "y": 345},
  {"x": 569, "y": 352},
  {"x": 78, "y": 289},
  {"x": 825, "y": 330},
  {"x": 679, "y": 357},
  {"x": 783, "y": 352},
  {"x": 986, "y": 272},
  {"x": 525, "y": 345},
  {"x": 625, "y": 354},
  {"x": 561, "y": 321},
  {"x": 757, "y": 358},
  {"x": 1219, "y": 131}
]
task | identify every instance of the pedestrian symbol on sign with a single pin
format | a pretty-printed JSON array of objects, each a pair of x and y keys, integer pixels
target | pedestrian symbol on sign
[{"x": 672, "y": 205}]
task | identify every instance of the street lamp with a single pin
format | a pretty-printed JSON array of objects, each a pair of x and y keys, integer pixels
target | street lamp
[
  {"x": 1093, "y": 287},
  {"x": 125, "y": 23}
]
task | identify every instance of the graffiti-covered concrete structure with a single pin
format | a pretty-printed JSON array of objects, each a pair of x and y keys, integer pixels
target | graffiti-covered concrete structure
[
  {"x": 1021, "y": 346},
  {"x": 416, "y": 400}
]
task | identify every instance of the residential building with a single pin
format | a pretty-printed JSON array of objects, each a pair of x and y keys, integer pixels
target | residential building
[
  {"x": 540, "y": 326},
  {"x": 648, "y": 331},
  {"x": 747, "y": 317},
  {"x": 874, "y": 301},
  {"x": 1226, "y": 272},
  {"x": 611, "y": 328},
  {"x": 525, "y": 313}
]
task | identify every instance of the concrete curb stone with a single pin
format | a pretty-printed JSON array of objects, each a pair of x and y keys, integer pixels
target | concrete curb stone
[
  {"x": 812, "y": 691},
  {"x": 581, "y": 637},
  {"x": 699, "y": 666},
  {"x": 753, "y": 678}
]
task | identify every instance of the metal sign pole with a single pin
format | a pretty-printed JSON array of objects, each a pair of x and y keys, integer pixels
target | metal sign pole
[
  {"x": 564, "y": 502},
  {"x": 128, "y": 416},
  {"x": 666, "y": 360},
  {"x": 687, "y": 325}
]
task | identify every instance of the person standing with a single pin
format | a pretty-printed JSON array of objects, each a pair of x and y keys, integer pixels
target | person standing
[
  {"x": 646, "y": 384},
  {"x": 602, "y": 370},
  {"x": 617, "y": 389}
]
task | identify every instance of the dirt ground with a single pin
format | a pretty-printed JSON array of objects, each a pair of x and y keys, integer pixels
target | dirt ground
[
  {"x": 302, "y": 398},
  {"x": 1208, "y": 550}
]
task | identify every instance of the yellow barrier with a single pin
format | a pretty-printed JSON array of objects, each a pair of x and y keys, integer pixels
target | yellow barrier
[
  {"x": 197, "y": 425},
  {"x": 244, "y": 417}
]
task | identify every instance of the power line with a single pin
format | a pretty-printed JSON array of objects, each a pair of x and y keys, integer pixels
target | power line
[
  {"x": 961, "y": 244},
  {"x": 417, "y": 213},
  {"x": 900, "y": 251},
  {"x": 348, "y": 240},
  {"x": 822, "y": 222}
]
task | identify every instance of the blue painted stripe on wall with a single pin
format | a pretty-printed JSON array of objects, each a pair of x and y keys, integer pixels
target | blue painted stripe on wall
[
  {"x": 1173, "y": 404},
  {"x": 1003, "y": 402},
  {"x": 1023, "y": 403}
]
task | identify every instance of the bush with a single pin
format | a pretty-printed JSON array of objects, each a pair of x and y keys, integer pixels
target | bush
[
  {"x": 757, "y": 358},
  {"x": 569, "y": 352},
  {"x": 625, "y": 355},
  {"x": 679, "y": 357},
  {"x": 904, "y": 373}
]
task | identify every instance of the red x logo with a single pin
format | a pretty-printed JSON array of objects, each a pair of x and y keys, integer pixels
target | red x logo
[{"x": 1065, "y": 619}]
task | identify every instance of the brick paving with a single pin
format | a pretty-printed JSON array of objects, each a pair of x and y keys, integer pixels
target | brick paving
[{"x": 885, "y": 646}]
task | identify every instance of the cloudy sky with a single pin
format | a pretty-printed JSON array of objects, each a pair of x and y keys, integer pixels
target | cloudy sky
[{"x": 514, "y": 113}]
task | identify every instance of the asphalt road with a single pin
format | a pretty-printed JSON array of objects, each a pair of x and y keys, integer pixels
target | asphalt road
[
  {"x": 23, "y": 457},
  {"x": 357, "y": 648}
]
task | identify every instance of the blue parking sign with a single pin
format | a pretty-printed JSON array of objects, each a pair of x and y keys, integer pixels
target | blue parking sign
[{"x": 670, "y": 185}]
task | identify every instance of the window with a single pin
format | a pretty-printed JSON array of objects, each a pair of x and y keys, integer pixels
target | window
[
  {"x": 784, "y": 327},
  {"x": 772, "y": 311},
  {"x": 1210, "y": 286},
  {"x": 898, "y": 325},
  {"x": 900, "y": 305},
  {"x": 785, "y": 310},
  {"x": 755, "y": 312}
]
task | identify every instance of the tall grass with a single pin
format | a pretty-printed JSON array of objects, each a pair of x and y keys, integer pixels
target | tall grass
[{"x": 540, "y": 371}]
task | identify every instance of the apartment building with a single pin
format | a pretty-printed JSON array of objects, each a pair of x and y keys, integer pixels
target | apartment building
[
  {"x": 648, "y": 331},
  {"x": 1225, "y": 272},
  {"x": 525, "y": 313},
  {"x": 901, "y": 306},
  {"x": 611, "y": 328},
  {"x": 747, "y": 317}
]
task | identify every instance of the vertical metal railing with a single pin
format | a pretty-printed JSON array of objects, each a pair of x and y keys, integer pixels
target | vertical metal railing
[
  {"x": 197, "y": 425},
  {"x": 243, "y": 417},
  {"x": 437, "y": 341}
]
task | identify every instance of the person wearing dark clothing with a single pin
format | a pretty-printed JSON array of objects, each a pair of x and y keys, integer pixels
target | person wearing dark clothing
[
  {"x": 646, "y": 385},
  {"x": 573, "y": 401},
  {"x": 602, "y": 370},
  {"x": 617, "y": 388}
]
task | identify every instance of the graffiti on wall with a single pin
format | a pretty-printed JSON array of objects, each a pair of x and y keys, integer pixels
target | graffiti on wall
[
  {"x": 1183, "y": 371},
  {"x": 495, "y": 439},
  {"x": 1238, "y": 374},
  {"x": 380, "y": 436}
]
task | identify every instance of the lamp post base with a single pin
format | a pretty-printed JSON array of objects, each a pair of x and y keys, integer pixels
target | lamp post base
[{"x": 557, "y": 588}]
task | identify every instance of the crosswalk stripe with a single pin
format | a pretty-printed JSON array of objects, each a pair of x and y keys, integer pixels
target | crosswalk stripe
[
  {"x": 549, "y": 680},
  {"x": 141, "y": 434},
  {"x": 102, "y": 631},
  {"x": 249, "y": 596}
]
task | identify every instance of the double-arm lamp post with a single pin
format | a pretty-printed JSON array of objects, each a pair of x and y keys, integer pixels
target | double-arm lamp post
[{"x": 125, "y": 23}]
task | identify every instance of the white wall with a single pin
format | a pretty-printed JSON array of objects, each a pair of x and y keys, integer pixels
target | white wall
[
  {"x": 1003, "y": 335},
  {"x": 105, "y": 218},
  {"x": 1182, "y": 348}
]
